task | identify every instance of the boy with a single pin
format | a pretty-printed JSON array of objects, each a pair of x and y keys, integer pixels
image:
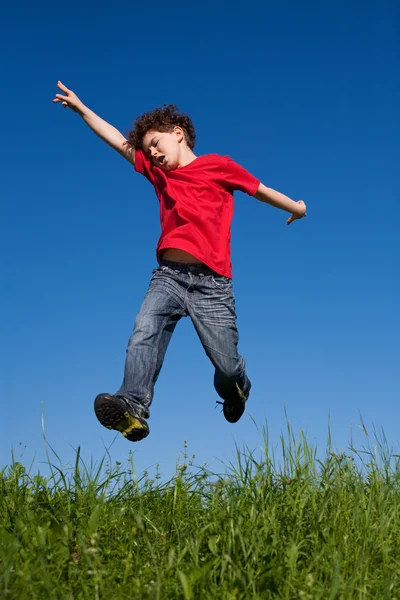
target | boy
[{"x": 194, "y": 275}]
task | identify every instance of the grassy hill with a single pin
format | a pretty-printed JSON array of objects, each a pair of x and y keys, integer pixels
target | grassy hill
[{"x": 308, "y": 529}]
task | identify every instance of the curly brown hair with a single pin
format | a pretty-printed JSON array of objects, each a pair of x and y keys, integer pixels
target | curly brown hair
[{"x": 161, "y": 119}]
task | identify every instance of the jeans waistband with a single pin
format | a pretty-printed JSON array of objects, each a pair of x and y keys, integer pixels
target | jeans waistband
[{"x": 183, "y": 267}]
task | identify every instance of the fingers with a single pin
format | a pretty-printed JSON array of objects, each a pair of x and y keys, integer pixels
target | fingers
[
  {"x": 303, "y": 204},
  {"x": 61, "y": 99},
  {"x": 62, "y": 87},
  {"x": 294, "y": 218}
]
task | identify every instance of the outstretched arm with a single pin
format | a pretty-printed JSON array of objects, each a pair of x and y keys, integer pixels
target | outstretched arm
[
  {"x": 270, "y": 196},
  {"x": 104, "y": 130}
]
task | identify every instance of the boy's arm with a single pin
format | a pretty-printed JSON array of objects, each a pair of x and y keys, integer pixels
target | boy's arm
[
  {"x": 270, "y": 196},
  {"x": 104, "y": 130}
]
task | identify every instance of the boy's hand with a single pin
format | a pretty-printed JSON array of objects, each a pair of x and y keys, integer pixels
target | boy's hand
[
  {"x": 302, "y": 213},
  {"x": 70, "y": 99}
]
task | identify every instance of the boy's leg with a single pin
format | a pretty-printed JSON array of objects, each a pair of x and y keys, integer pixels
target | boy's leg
[
  {"x": 162, "y": 308},
  {"x": 212, "y": 309}
]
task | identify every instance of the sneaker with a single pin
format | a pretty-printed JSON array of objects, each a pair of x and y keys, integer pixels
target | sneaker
[
  {"x": 115, "y": 412},
  {"x": 233, "y": 410}
]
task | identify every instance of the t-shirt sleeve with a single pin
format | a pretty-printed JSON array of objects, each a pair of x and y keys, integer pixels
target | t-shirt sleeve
[
  {"x": 237, "y": 178},
  {"x": 143, "y": 165}
]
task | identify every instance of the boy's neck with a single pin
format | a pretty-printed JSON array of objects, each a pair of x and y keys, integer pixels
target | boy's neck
[{"x": 186, "y": 157}]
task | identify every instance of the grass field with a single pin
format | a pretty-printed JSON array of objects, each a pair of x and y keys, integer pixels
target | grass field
[{"x": 306, "y": 529}]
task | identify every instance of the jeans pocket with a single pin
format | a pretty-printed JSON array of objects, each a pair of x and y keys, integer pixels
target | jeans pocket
[{"x": 220, "y": 281}]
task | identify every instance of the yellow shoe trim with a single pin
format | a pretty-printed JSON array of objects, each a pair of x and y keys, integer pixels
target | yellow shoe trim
[{"x": 129, "y": 424}]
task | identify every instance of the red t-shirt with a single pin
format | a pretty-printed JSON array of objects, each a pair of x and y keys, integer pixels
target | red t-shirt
[{"x": 196, "y": 205}]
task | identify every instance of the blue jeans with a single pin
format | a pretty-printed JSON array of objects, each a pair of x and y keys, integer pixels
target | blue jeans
[{"x": 178, "y": 290}]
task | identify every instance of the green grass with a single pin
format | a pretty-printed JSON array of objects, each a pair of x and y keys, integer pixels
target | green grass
[{"x": 304, "y": 529}]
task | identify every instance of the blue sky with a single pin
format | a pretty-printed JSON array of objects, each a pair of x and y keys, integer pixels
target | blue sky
[{"x": 303, "y": 95}]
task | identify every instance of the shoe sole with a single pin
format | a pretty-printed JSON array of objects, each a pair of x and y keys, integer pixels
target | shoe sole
[{"x": 113, "y": 414}]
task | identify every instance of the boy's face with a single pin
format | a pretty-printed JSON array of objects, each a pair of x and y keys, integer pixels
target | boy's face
[{"x": 164, "y": 148}]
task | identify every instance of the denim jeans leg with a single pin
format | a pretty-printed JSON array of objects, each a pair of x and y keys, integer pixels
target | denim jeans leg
[
  {"x": 211, "y": 307},
  {"x": 161, "y": 309}
]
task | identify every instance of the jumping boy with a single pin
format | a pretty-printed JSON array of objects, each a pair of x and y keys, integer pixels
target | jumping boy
[{"x": 194, "y": 275}]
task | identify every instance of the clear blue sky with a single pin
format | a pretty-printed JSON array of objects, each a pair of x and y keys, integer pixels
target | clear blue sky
[{"x": 306, "y": 97}]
